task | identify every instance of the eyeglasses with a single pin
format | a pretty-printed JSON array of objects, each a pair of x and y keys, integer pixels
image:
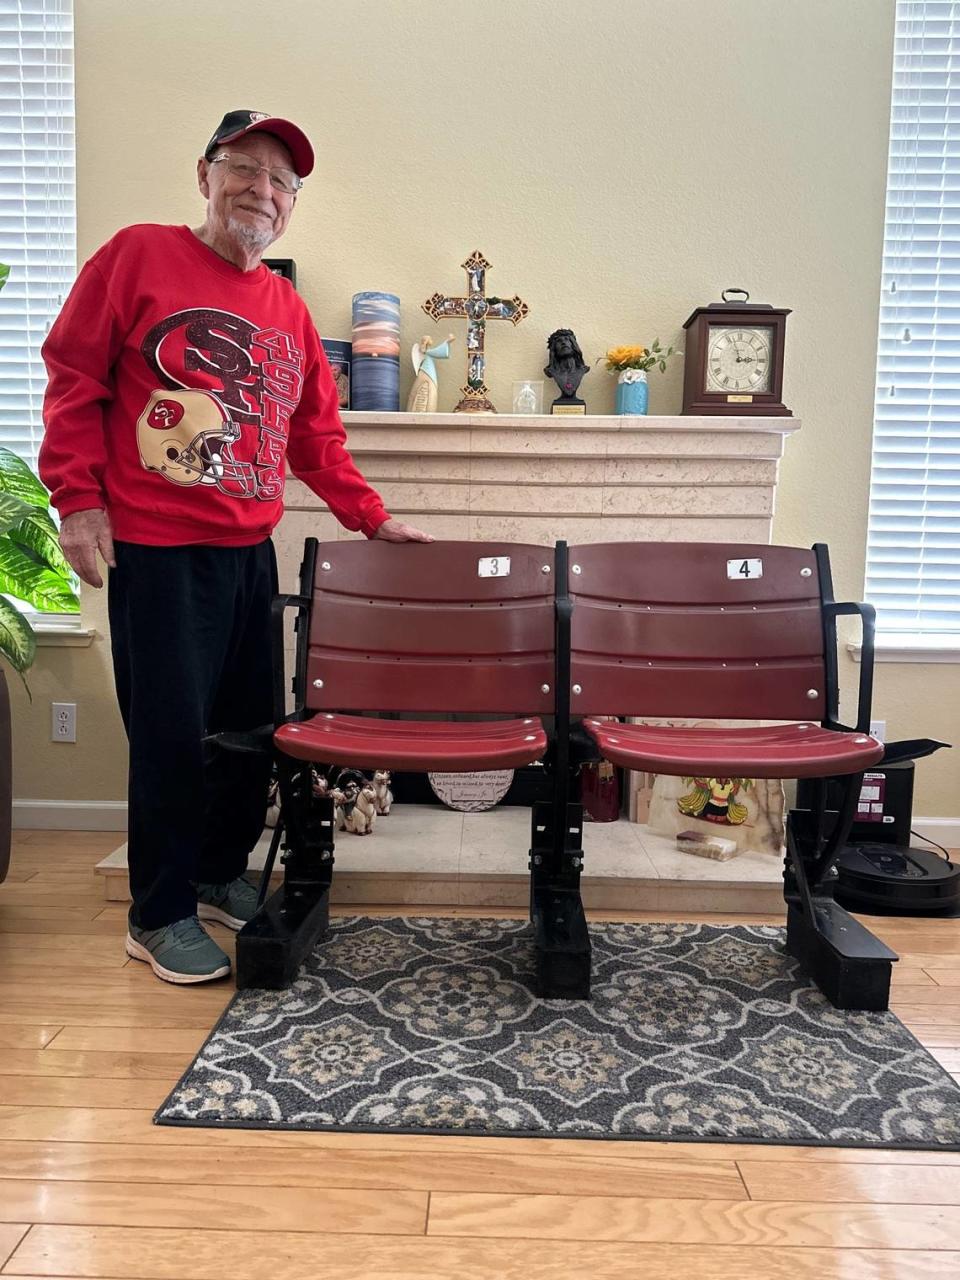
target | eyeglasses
[{"x": 244, "y": 166}]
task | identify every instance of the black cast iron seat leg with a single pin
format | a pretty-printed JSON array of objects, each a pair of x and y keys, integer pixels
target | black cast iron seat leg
[
  {"x": 563, "y": 951},
  {"x": 847, "y": 962},
  {"x": 556, "y": 843},
  {"x": 272, "y": 946}
]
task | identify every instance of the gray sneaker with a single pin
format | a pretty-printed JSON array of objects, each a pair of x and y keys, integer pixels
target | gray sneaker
[
  {"x": 231, "y": 904},
  {"x": 179, "y": 952}
]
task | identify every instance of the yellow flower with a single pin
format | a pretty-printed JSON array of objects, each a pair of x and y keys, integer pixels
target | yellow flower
[{"x": 626, "y": 357}]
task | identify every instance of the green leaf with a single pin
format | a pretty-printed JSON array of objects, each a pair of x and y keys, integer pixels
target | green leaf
[
  {"x": 37, "y": 532},
  {"x": 32, "y": 583},
  {"x": 16, "y": 478},
  {"x": 12, "y": 510},
  {"x": 4, "y": 272},
  {"x": 18, "y": 644}
]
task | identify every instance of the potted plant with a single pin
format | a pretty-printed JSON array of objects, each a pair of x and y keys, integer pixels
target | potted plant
[
  {"x": 34, "y": 572},
  {"x": 631, "y": 365}
]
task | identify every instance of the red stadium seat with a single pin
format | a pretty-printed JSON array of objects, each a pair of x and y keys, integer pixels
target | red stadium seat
[
  {"x": 409, "y": 629},
  {"x": 739, "y": 632}
]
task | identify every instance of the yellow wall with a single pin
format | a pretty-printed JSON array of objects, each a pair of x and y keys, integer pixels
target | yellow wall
[{"x": 618, "y": 163}]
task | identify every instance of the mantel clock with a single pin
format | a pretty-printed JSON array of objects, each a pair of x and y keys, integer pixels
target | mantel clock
[{"x": 733, "y": 360}]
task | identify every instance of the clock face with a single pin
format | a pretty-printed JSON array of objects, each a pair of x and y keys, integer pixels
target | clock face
[{"x": 739, "y": 358}]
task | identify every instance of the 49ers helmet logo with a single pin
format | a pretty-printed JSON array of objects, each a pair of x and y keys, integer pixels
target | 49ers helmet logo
[{"x": 188, "y": 437}]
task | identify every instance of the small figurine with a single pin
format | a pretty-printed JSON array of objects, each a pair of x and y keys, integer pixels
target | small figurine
[
  {"x": 349, "y": 793},
  {"x": 273, "y": 803},
  {"x": 567, "y": 368},
  {"x": 319, "y": 785},
  {"x": 339, "y": 800},
  {"x": 359, "y": 808},
  {"x": 423, "y": 393},
  {"x": 365, "y": 810},
  {"x": 381, "y": 785}
]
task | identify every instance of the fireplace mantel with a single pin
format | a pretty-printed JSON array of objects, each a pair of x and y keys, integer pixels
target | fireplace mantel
[
  {"x": 538, "y": 478},
  {"x": 618, "y": 423}
]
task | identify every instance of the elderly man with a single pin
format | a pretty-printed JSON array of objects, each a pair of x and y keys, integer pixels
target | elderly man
[{"x": 182, "y": 374}]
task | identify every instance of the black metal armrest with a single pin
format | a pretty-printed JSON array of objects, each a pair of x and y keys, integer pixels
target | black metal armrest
[
  {"x": 257, "y": 741},
  {"x": 280, "y": 605},
  {"x": 868, "y": 621},
  {"x": 911, "y": 749}
]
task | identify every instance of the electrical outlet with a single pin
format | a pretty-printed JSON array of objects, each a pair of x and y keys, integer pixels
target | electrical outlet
[
  {"x": 64, "y": 722},
  {"x": 878, "y": 730}
]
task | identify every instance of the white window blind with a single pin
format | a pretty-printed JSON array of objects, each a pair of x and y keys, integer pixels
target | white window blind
[
  {"x": 37, "y": 203},
  {"x": 913, "y": 547}
]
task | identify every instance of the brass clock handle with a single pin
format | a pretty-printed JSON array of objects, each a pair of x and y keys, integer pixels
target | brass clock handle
[{"x": 746, "y": 296}]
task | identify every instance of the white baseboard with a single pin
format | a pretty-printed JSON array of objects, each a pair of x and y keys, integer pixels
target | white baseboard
[
  {"x": 945, "y": 831},
  {"x": 70, "y": 815}
]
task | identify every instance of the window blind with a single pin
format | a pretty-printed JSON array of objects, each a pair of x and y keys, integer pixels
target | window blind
[
  {"x": 913, "y": 544},
  {"x": 37, "y": 203}
]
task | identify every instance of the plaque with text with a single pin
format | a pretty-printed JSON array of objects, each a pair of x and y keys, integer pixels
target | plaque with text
[{"x": 472, "y": 792}]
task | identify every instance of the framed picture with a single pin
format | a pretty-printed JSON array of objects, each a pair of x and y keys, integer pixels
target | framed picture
[
  {"x": 339, "y": 355},
  {"x": 285, "y": 267}
]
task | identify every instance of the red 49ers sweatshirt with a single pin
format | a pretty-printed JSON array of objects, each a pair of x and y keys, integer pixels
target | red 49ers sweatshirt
[{"x": 177, "y": 386}]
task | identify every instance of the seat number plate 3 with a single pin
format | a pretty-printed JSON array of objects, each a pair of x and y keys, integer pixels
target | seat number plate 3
[
  {"x": 494, "y": 567},
  {"x": 744, "y": 568}
]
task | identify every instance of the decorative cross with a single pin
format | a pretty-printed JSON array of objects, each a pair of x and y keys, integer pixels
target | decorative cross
[{"x": 478, "y": 309}]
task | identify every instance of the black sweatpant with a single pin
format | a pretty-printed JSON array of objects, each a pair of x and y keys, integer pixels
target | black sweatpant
[{"x": 190, "y": 632}]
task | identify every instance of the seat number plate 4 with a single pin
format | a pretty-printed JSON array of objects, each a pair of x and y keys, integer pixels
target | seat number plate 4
[
  {"x": 494, "y": 567},
  {"x": 744, "y": 568}
]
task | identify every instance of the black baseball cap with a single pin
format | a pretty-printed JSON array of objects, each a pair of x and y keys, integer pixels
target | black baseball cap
[{"x": 237, "y": 123}]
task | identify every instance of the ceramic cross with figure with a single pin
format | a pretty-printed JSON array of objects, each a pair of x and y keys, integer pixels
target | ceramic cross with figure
[{"x": 477, "y": 308}]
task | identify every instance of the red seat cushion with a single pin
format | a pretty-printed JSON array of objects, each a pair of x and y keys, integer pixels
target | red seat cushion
[
  {"x": 781, "y": 751},
  {"x": 366, "y": 742}
]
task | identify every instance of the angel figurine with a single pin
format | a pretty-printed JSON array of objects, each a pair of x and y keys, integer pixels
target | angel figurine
[{"x": 423, "y": 393}]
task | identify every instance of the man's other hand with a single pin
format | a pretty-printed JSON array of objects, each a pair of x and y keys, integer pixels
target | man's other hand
[
  {"x": 396, "y": 531},
  {"x": 82, "y": 535}
]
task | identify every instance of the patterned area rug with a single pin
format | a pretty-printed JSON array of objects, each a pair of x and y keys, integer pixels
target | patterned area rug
[{"x": 693, "y": 1032}]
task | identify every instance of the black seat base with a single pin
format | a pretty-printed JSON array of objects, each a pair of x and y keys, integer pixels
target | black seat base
[
  {"x": 288, "y": 925},
  {"x": 272, "y": 946},
  {"x": 850, "y": 966},
  {"x": 563, "y": 946}
]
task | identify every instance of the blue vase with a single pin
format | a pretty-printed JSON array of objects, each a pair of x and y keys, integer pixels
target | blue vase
[{"x": 632, "y": 396}]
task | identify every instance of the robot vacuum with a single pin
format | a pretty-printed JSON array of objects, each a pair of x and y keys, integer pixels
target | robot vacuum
[{"x": 888, "y": 879}]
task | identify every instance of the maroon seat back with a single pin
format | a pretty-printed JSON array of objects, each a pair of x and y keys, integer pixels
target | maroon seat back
[
  {"x": 679, "y": 629},
  {"x": 415, "y": 627}
]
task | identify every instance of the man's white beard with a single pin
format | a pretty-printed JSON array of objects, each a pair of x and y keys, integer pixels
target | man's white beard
[{"x": 250, "y": 236}]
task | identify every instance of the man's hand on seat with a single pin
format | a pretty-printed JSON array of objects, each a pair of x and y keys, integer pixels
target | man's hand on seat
[
  {"x": 82, "y": 535},
  {"x": 396, "y": 531}
]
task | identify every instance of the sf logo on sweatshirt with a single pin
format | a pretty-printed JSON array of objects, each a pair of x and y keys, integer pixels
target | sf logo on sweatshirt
[{"x": 223, "y": 415}]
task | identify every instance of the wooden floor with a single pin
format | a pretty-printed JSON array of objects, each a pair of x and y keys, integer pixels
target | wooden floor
[{"x": 90, "y": 1043}]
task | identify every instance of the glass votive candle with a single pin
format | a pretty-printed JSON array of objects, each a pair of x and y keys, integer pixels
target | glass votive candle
[{"x": 528, "y": 396}]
